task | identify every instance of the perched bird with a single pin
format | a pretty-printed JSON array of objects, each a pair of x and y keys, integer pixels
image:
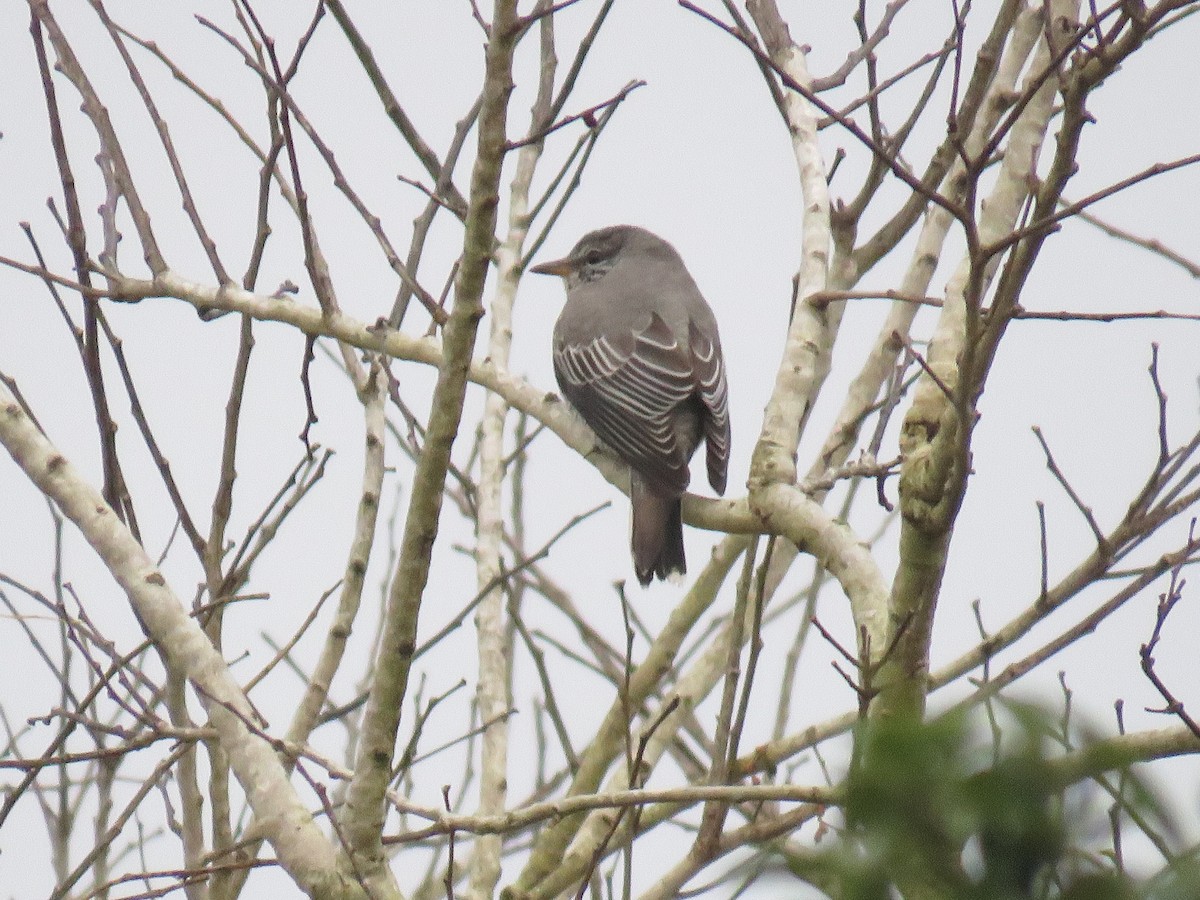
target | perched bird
[{"x": 636, "y": 352}]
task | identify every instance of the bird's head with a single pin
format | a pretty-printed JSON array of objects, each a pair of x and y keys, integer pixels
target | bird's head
[{"x": 595, "y": 254}]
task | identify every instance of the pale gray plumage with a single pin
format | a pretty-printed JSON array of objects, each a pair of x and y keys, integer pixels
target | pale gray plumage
[{"x": 637, "y": 353}]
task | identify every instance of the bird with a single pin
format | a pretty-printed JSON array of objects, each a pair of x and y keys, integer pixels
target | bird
[{"x": 638, "y": 355}]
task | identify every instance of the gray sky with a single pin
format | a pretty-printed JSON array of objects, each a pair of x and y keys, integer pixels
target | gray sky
[{"x": 700, "y": 156}]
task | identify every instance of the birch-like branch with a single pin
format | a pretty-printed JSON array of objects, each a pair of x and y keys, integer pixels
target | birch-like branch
[
  {"x": 364, "y": 811},
  {"x": 493, "y": 642},
  {"x": 935, "y": 438},
  {"x": 774, "y": 494},
  {"x": 552, "y": 867},
  {"x": 881, "y": 360},
  {"x": 302, "y": 849}
]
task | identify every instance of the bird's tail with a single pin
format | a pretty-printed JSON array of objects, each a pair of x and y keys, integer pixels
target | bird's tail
[{"x": 657, "y": 534}]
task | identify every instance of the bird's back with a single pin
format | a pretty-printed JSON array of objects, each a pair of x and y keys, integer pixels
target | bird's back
[
  {"x": 637, "y": 353},
  {"x": 648, "y": 283}
]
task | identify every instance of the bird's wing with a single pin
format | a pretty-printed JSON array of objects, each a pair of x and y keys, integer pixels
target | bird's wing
[
  {"x": 628, "y": 391},
  {"x": 708, "y": 366}
]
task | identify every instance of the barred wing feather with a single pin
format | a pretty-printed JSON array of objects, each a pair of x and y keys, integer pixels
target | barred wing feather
[
  {"x": 629, "y": 399},
  {"x": 714, "y": 394}
]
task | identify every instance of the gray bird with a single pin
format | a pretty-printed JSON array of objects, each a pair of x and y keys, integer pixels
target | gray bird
[{"x": 637, "y": 353}]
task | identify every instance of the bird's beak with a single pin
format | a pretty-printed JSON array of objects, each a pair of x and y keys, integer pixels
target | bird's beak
[{"x": 560, "y": 267}]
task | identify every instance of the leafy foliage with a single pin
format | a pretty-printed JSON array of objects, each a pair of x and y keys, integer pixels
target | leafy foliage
[{"x": 935, "y": 812}]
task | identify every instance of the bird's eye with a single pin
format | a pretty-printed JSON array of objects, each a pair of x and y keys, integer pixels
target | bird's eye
[{"x": 593, "y": 256}]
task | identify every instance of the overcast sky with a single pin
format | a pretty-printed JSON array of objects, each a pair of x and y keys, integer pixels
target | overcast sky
[{"x": 698, "y": 155}]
